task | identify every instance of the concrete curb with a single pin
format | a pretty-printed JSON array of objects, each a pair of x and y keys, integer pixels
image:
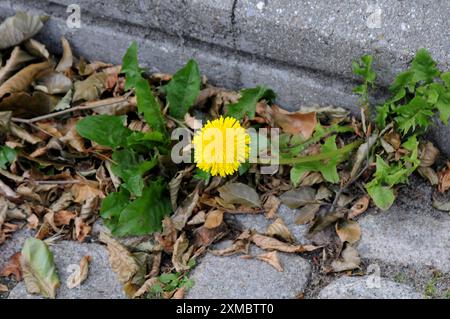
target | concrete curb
[{"x": 302, "y": 50}]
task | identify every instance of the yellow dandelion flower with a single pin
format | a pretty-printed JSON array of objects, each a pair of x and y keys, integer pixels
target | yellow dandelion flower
[{"x": 221, "y": 146}]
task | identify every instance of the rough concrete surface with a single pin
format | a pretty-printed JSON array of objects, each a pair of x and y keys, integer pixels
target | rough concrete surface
[
  {"x": 411, "y": 232},
  {"x": 236, "y": 278},
  {"x": 100, "y": 284},
  {"x": 302, "y": 49},
  {"x": 367, "y": 288}
]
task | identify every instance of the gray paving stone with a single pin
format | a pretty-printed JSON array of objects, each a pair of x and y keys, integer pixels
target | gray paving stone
[
  {"x": 367, "y": 288},
  {"x": 411, "y": 232},
  {"x": 100, "y": 284},
  {"x": 236, "y": 278}
]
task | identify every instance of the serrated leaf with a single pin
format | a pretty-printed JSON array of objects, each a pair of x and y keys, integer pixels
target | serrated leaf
[
  {"x": 327, "y": 168},
  {"x": 415, "y": 113},
  {"x": 130, "y": 66},
  {"x": 424, "y": 67},
  {"x": 149, "y": 106},
  {"x": 247, "y": 103},
  {"x": 143, "y": 215},
  {"x": 107, "y": 130},
  {"x": 183, "y": 89},
  {"x": 38, "y": 268},
  {"x": 130, "y": 167},
  {"x": 7, "y": 156}
]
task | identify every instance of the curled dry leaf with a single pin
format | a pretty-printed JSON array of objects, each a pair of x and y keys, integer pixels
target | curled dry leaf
[
  {"x": 36, "y": 48},
  {"x": 271, "y": 206},
  {"x": 16, "y": 60},
  {"x": 54, "y": 83},
  {"x": 349, "y": 260},
  {"x": 179, "y": 293},
  {"x": 272, "y": 259},
  {"x": 121, "y": 260},
  {"x": 266, "y": 242},
  {"x": 301, "y": 196},
  {"x": 67, "y": 58},
  {"x": 181, "y": 253},
  {"x": 20, "y": 81},
  {"x": 64, "y": 217},
  {"x": 62, "y": 202},
  {"x": 348, "y": 231},
  {"x": 307, "y": 213},
  {"x": 441, "y": 202},
  {"x": 91, "y": 88},
  {"x": 85, "y": 191},
  {"x": 427, "y": 154},
  {"x": 33, "y": 221},
  {"x": 238, "y": 193},
  {"x": 82, "y": 229},
  {"x": 198, "y": 218},
  {"x": 429, "y": 174},
  {"x": 76, "y": 278},
  {"x": 214, "y": 219},
  {"x": 174, "y": 185},
  {"x": 38, "y": 268},
  {"x": 444, "y": 179},
  {"x": 325, "y": 219},
  {"x": 184, "y": 211},
  {"x": 295, "y": 122},
  {"x": 149, "y": 283},
  {"x": 279, "y": 229},
  {"x": 3, "y": 288},
  {"x": 12, "y": 267},
  {"x": 359, "y": 207},
  {"x": 19, "y": 28},
  {"x": 239, "y": 246}
]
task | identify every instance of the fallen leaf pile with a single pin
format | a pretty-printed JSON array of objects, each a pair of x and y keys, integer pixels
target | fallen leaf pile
[{"x": 58, "y": 183}]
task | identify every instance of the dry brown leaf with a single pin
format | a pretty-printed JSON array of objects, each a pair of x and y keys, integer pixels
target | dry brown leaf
[
  {"x": 266, "y": 242},
  {"x": 181, "y": 253},
  {"x": 325, "y": 219},
  {"x": 21, "y": 81},
  {"x": 149, "y": 283},
  {"x": 239, "y": 193},
  {"x": 444, "y": 179},
  {"x": 214, "y": 219},
  {"x": 301, "y": 196},
  {"x": 307, "y": 213},
  {"x": 198, "y": 218},
  {"x": 429, "y": 174},
  {"x": 179, "y": 293},
  {"x": 205, "y": 237},
  {"x": 3, "y": 288},
  {"x": 348, "y": 231},
  {"x": 272, "y": 259},
  {"x": 239, "y": 246},
  {"x": 82, "y": 229},
  {"x": 121, "y": 260},
  {"x": 62, "y": 202},
  {"x": 271, "y": 206},
  {"x": 279, "y": 229},
  {"x": 33, "y": 221},
  {"x": 80, "y": 275},
  {"x": 359, "y": 207},
  {"x": 67, "y": 58},
  {"x": 64, "y": 217},
  {"x": 84, "y": 191},
  {"x": 349, "y": 260},
  {"x": 427, "y": 154},
  {"x": 184, "y": 211},
  {"x": 296, "y": 122},
  {"x": 16, "y": 60},
  {"x": 12, "y": 267},
  {"x": 73, "y": 139}
]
